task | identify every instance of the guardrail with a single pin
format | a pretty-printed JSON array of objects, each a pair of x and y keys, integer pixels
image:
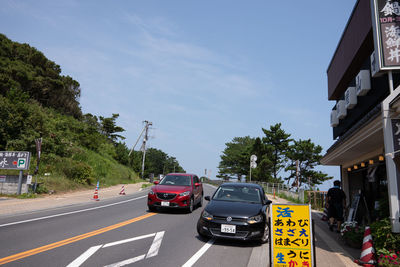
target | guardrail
[
  {"x": 277, "y": 189},
  {"x": 282, "y": 189}
]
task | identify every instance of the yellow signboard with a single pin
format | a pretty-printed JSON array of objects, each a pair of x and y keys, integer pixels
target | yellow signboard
[{"x": 291, "y": 236}]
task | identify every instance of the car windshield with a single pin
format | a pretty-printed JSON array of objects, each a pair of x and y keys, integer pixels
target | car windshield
[
  {"x": 176, "y": 180},
  {"x": 238, "y": 193}
]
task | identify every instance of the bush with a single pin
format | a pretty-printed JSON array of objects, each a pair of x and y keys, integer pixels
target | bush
[
  {"x": 352, "y": 234},
  {"x": 79, "y": 172},
  {"x": 388, "y": 258},
  {"x": 383, "y": 237}
]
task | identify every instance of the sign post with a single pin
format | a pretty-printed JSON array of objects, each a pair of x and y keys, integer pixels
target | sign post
[
  {"x": 386, "y": 58},
  {"x": 253, "y": 163},
  {"x": 292, "y": 242}
]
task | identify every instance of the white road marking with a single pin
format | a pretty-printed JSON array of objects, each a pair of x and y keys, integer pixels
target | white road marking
[
  {"x": 128, "y": 240},
  {"x": 126, "y": 262},
  {"x": 153, "y": 250},
  {"x": 155, "y": 246},
  {"x": 82, "y": 258},
  {"x": 199, "y": 253},
  {"x": 71, "y": 212}
]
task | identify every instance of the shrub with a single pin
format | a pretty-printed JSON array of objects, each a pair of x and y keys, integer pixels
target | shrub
[
  {"x": 383, "y": 237},
  {"x": 79, "y": 172},
  {"x": 352, "y": 234},
  {"x": 388, "y": 258}
]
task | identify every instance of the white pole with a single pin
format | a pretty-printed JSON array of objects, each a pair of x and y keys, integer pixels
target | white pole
[
  {"x": 390, "y": 76},
  {"x": 391, "y": 169},
  {"x": 250, "y": 171}
]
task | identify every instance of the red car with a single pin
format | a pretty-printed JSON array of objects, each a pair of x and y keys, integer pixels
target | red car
[{"x": 176, "y": 190}]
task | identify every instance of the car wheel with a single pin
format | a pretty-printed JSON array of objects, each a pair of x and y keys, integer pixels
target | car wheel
[
  {"x": 191, "y": 205},
  {"x": 265, "y": 237},
  {"x": 152, "y": 208}
]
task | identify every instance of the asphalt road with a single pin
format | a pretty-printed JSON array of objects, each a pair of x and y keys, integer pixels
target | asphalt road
[{"x": 117, "y": 232}]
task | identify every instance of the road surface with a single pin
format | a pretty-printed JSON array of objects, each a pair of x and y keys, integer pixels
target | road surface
[{"x": 116, "y": 232}]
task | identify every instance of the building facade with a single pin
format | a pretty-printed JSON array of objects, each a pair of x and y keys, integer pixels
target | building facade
[{"x": 366, "y": 105}]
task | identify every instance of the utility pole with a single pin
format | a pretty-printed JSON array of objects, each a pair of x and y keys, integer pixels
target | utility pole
[
  {"x": 143, "y": 148},
  {"x": 297, "y": 174}
]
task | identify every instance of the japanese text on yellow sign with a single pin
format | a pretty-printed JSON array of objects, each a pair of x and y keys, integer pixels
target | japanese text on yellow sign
[{"x": 291, "y": 236}]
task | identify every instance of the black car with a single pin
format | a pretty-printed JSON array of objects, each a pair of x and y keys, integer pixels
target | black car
[{"x": 236, "y": 211}]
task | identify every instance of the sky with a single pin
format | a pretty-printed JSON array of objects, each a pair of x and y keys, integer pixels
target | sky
[{"x": 203, "y": 72}]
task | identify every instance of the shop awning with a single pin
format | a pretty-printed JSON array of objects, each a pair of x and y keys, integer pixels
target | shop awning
[{"x": 364, "y": 141}]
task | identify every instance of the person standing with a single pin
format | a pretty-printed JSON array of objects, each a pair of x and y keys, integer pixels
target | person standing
[{"x": 336, "y": 204}]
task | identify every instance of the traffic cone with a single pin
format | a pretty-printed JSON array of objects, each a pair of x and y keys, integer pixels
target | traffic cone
[
  {"x": 96, "y": 195},
  {"x": 367, "y": 258},
  {"x": 122, "y": 191}
]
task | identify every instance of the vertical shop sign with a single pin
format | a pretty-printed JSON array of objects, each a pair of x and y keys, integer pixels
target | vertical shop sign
[
  {"x": 291, "y": 236},
  {"x": 386, "y": 29},
  {"x": 386, "y": 25},
  {"x": 396, "y": 134},
  {"x": 396, "y": 142}
]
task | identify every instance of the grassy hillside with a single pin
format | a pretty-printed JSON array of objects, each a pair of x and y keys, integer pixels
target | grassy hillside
[
  {"x": 78, "y": 149},
  {"x": 74, "y": 153}
]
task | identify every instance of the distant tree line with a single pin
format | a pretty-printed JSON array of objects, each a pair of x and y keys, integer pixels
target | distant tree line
[
  {"x": 277, "y": 158},
  {"x": 37, "y": 101}
]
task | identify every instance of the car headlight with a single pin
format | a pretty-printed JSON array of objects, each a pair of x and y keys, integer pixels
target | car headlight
[
  {"x": 184, "y": 194},
  {"x": 207, "y": 216},
  {"x": 151, "y": 192},
  {"x": 255, "y": 219}
]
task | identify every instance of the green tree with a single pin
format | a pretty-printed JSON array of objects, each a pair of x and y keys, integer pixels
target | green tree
[
  {"x": 109, "y": 128},
  {"x": 276, "y": 143},
  {"x": 264, "y": 169},
  {"x": 235, "y": 159},
  {"x": 308, "y": 155},
  {"x": 122, "y": 153},
  {"x": 23, "y": 67},
  {"x": 156, "y": 162}
]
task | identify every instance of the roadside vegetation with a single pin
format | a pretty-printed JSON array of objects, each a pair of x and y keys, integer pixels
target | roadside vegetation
[
  {"x": 277, "y": 155},
  {"x": 78, "y": 150}
]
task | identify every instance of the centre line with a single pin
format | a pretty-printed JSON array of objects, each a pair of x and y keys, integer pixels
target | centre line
[
  {"x": 71, "y": 212},
  {"x": 38, "y": 250}
]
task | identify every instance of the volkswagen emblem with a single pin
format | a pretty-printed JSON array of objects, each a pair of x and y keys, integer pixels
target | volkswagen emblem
[{"x": 228, "y": 219}]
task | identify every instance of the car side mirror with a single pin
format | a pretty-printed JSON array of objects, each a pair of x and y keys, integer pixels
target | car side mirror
[
  {"x": 207, "y": 198},
  {"x": 267, "y": 202},
  {"x": 156, "y": 182},
  {"x": 197, "y": 184}
]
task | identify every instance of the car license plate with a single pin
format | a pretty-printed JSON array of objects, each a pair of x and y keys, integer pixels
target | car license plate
[
  {"x": 226, "y": 228},
  {"x": 165, "y": 203}
]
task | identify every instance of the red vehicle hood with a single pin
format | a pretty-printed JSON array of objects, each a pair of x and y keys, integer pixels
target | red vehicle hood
[{"x": 170, "y": 189}]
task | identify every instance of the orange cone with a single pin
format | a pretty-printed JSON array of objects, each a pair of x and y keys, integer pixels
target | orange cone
[
  {"x": 122, "y": 191},
  {"x": 367, "y": 257},
  {"x": 96, "y": 195}
]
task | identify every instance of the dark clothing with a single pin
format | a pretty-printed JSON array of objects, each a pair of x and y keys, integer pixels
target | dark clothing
[
  {"x": 336, "y": 198},
  {"x": 336, "y": 211}
]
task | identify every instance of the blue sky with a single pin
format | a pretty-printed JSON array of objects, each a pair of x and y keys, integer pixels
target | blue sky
[{"x": 203, "y": 72}]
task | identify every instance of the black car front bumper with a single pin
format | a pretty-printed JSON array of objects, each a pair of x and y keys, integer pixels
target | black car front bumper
[{"x": 244, "y": 230}]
